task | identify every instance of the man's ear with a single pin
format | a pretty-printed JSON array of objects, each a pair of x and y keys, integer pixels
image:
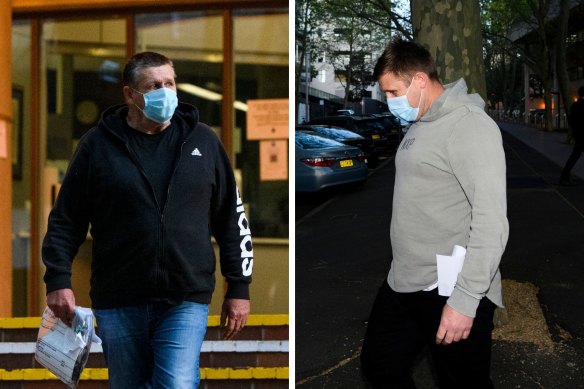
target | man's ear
[
  {"x": 422, "y": 79},
  {"x": 128, "y": 95}
]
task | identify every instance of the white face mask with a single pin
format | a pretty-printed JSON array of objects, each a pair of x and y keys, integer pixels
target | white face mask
[{"x": 400, "y": 107}]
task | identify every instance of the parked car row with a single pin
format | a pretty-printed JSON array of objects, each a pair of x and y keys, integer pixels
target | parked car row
[
  {"x": 383, "y": 129},
  {"x": 346, "y": 137},
  {"x": 336, "y": 150}
]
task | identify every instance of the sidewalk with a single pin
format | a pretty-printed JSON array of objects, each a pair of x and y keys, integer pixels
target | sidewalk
[{"x": 552, "y": 145}]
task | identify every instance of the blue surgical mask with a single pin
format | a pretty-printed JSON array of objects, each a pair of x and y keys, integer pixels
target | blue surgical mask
[
  {"x": 159, "y": 104},
  {"x": 400, "y": 107}
]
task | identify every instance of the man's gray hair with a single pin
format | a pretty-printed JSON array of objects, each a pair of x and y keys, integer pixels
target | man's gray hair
[{"x": 138, "y": 62}]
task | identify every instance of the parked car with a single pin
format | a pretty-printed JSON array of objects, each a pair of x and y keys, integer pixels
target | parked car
[
  {"x": 346, "y": 137},
  {"x": 322, "y": 162},
  {"x": 367, "y": 127},
  {"x": 391, "y": 125},
  {"x": 390, "y": 121}
]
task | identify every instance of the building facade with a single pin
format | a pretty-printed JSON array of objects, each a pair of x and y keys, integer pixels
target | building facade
[{"x": 65, "y": 60}]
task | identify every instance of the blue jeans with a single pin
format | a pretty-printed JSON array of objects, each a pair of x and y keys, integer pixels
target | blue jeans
[{"x": 153, "y": 345}]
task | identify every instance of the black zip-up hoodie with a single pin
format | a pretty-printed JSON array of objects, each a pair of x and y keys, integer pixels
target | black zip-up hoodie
[{"x": 141, "y": 251}]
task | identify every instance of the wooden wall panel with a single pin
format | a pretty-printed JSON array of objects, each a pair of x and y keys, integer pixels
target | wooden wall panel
[
  {"x": 5, "y": 163},
  {"x": 32, "y": 7}
]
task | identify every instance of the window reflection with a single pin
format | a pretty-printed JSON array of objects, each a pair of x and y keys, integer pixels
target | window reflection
[
  {"x": 308, "y": 141},
  {"x": 194, "y": 43},
  {"x": 261, "y": 72}
]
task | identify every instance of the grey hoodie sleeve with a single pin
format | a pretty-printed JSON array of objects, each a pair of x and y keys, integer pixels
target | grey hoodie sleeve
[{"x": 478, "y": 162}]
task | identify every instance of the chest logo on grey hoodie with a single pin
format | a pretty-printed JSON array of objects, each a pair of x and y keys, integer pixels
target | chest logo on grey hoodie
[{"x": 407, "y": 143}]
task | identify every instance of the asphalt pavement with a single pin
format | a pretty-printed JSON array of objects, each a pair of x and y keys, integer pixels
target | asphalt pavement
[{"x": 343, "y": 253}]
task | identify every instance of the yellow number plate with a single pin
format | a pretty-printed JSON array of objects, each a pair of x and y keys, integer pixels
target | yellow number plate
[
  {"x": 375, "y": 136},
  {"x": 346, "y": 163}
]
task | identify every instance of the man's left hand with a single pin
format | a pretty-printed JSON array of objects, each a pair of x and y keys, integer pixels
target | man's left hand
[
  {"x": 454, "y": 326},
  {"x": 234, "y": 316}
]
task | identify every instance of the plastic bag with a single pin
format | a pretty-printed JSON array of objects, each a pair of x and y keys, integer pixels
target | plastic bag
[{"x": 62, "y": 349}]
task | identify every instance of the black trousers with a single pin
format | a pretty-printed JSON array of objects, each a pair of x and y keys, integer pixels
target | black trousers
[
  {"x": 576, "y": 151},
  {"x": 402, "y": 324}
]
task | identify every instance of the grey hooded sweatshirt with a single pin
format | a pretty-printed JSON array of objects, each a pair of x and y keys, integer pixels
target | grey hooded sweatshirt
[{"x": 450, "y": 190}]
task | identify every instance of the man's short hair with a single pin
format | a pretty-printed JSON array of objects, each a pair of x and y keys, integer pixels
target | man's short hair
[
  {"x": 147, "y": 59},
  {"x": 404, "y": 58}
]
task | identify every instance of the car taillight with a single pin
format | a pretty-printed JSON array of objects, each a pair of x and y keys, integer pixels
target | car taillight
[
  {"x": 361, "y": 158},
  {"x": 319, "y": 161}
]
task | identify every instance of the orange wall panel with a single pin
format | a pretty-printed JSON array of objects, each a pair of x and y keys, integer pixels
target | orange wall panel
[
  {"x": 27, "y": 6},
  {"x": 5, "y": 164}
]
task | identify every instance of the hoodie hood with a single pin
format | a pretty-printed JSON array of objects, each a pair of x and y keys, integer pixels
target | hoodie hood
[
  {"x": 454, "y": 97},
  {"x": 113, "y": 117}
]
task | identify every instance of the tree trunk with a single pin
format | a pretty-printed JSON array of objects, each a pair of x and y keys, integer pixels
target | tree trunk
[
  {"x": 451, "y": 30},
  {"x": 349, "y": 75},
  {"x": 298, "y": 85}
]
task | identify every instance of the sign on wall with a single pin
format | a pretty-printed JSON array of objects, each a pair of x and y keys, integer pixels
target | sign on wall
[
  {"x": 267, "y": 121},
  {"x": 274, "y": 160}
]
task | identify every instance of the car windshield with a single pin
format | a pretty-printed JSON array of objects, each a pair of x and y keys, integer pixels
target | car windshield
[
  {"x": 338, "y": 133},
  {"x": 308, "y": 141}
]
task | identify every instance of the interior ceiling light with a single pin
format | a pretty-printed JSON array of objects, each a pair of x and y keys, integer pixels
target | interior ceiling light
[{"x": 208, "y": 94}]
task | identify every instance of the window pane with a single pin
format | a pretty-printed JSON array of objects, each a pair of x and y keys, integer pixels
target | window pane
[
  {"x": 261, "y": 72},
  {"x": 21, "y": 202},
  {"x": 81, "y": 66},
  {"x": 83, "y": 62},
  {"x": 193, "y": 41}
]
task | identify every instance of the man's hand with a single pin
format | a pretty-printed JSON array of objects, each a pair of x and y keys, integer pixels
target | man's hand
[
  {"x": 234, "y": 316},
  {"x": 62, "y": 303},
  {"x": 454, "y": 326}
]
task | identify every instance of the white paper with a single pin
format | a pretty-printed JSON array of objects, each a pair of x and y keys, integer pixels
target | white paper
[
  {"x": 448, "y": 268},
  {"x": 62, "y": 349}
]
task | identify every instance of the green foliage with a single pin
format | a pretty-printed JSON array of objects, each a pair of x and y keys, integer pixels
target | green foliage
[{"x": 349, "y": 35}]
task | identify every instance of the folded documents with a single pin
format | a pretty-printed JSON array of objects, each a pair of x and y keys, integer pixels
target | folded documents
[
  {"x": 62, "y": 349},
  {"x": 448, "y": 268}
]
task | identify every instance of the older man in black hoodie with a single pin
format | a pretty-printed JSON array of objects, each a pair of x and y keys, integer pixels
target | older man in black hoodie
[{"x": 154, "y": 184}]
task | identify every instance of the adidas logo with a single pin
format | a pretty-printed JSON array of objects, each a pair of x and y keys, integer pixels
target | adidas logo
[{"x": 196, "y": 152}]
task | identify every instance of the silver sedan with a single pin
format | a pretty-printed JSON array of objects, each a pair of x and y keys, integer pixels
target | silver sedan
[{"x": 322, "y": 162}]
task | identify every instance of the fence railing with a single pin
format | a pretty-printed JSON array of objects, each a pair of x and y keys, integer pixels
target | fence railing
[{"x": 535, "y": 119}]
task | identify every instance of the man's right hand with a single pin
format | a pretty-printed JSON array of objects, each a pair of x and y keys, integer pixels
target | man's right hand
[{"x": 62, "y": 303}]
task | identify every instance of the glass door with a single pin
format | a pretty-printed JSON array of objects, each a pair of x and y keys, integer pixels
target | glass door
[{"x": 81, "y": 67}]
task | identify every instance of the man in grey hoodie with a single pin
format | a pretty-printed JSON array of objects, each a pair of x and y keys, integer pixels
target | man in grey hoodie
[{"x": 449, "y": 190}]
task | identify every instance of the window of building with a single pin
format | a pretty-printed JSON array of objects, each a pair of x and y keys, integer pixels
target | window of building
[
  {"x": 21, "y": 186},
  {"x": 81, "y": 64},
  {"x": 79, "y": 67},
  {"x": 193, "y": 41},
  {"x": 261, "y": 72}
]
